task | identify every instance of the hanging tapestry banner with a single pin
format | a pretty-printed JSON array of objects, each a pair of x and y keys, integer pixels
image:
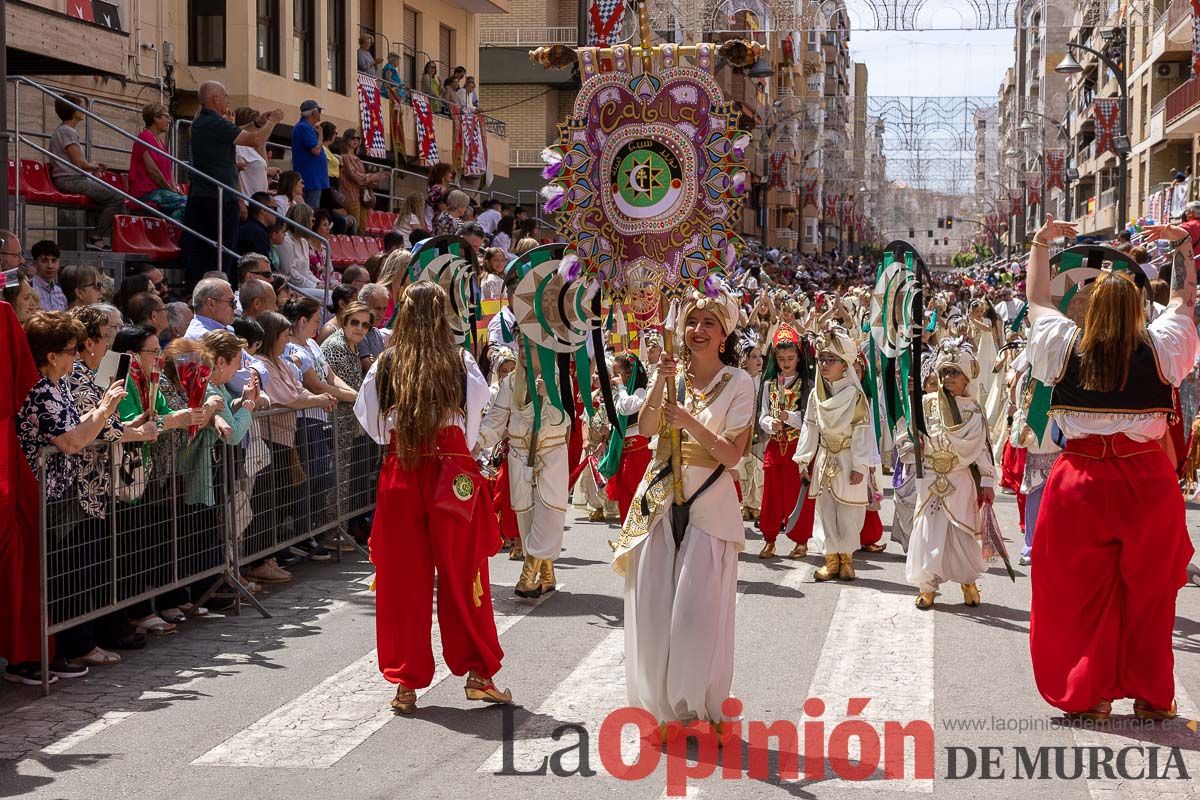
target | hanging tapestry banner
[
  {"x": 1106, "y": 109},
  {"x": 604, "y": 18},
  {"x": 427, "y": 149},
  {"x": 1056, "y": 160},
  {"x": 1033, "y": 189},
  {"x": 470, "y": 142},
  {"x": 370, "y": 109}
]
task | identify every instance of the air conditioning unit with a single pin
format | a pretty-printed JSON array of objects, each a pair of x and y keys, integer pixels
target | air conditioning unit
[{"x": 1170, "y": 71}]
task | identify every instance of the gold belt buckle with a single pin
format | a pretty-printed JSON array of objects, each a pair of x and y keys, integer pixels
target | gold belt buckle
[{"x": 943, "y": 461}]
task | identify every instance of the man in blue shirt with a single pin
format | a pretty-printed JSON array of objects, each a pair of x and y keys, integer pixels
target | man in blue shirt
[{"x": 308, "y": 155}]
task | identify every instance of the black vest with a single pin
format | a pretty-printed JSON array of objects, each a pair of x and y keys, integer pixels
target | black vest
[{"x": 1145, "y": 390}]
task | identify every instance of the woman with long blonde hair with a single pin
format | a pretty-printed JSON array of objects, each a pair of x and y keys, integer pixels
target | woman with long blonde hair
[
  {"x": 433, "y": 510},
  {"x": 1112, "y": 544}
]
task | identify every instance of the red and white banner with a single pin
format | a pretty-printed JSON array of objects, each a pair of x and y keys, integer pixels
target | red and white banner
[
  {"x": 470, "y": 142},
  {"x": 831, "y": 206},
  {"x": 778, "y": 169},
  {"x": 370, "y": 109},
  {"x": 1106, "y": 110},
  {"x": 604, "y": 21},
  {"x": 1056, "y": 162},
  {"x": 1015, "y": 196},
  {"x": 427, "y": 149},
  {"x": 1195, "y": 37},
  {"x": 809, "y": 193},
  {"x": 1033, "y": 189}
]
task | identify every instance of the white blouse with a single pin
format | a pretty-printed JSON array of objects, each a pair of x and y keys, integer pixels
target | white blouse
[
  {"x": 795, "y": 419},
  {"x": 379, "y": 427},
  {"x": 295, "y": 261},
  {"x": 627, "y": 404},
  {"x": 1175, "y": 343},
  {"x": 253, "y": 177}
]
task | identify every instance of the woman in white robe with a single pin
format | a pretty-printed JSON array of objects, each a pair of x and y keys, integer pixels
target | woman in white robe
[{"x": 679, "y": 600}]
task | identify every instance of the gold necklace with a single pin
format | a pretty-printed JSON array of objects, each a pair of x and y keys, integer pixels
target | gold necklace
[{"x": 697, "y": 400}]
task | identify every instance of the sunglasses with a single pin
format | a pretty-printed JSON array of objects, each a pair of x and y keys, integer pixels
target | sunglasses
[
  {"x": 829, "y": 360},
  {"x": 358, "y": 323}
]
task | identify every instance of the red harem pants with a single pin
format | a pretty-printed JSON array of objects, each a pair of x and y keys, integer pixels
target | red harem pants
[
  {"x": 872, "y": 529},
  {"x": 1012, "y": 474},
  {"x": 622, "y": 486},
  {"x": 503, "y": 503},
  {"x": 422, "y": 525},
  {"x": 781, "y": 488},
  {"x": 1111, "y": 551}
]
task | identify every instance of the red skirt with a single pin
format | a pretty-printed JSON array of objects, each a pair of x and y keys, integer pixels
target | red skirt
[
  {"x": 1111, "y": 550},
  {"x": 622, "y": 486},
  {"x": 781, "y": 487}
]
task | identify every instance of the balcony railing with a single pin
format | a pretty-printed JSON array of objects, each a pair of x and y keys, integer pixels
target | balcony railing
[
  {"x": 527, "y": 37},
  {"x": 520, "y": 157},
  {"x": 1183, "y": 99},
  {"x": 1177, "y": 12}
]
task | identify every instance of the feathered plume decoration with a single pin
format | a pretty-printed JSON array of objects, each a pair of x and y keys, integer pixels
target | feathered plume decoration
[
  {"x": 570, "y": 267},
  {"x": 555, "y": 196},
  {"x": 553, "y": 159}
]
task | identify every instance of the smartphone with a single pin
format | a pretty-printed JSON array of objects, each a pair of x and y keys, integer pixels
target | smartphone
[{"x": 113, "y": 367}]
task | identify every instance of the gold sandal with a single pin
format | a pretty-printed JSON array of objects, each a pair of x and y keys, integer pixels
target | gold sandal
[
  {"x": 1097, "y": 713},
  {"x": 405, "y": 701},
  {"x": 484, "y": 689},
  {"x": 1144, "y": 711}
]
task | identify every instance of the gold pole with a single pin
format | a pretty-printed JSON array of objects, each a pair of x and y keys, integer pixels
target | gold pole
[
  {"x": 644, "y": 32},
  {"x": 673, "y": 397}
]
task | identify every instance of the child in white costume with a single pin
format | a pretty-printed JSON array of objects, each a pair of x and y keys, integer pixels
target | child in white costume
[
  {"x": 839, "y": 435},
  {"x": 945, "y": 543}
]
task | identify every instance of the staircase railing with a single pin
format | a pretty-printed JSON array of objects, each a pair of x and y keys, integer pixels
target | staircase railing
[{"x": 223, "y": 190}]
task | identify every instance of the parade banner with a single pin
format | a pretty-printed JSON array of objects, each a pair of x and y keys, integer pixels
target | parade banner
[
  {"x": 370, "y": 108},
  {"x": 470, "y": 142},
  {"x": 1056, "y": 161},
  {"x": 1106, "y": 110},
  {"x": 647, "y": 178},
  {"x": 604, "y": 18},
  {"x": 809, "y": 193},
  {"x": 1015, "y": 198},
  {"x": 778, "y": 169},
  {"x": 427, "y": 149},
  {"x": 1033, "y": 189}
]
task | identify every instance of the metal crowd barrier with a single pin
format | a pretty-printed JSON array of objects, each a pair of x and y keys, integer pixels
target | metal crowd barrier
[{"x": 182, "y": 517}]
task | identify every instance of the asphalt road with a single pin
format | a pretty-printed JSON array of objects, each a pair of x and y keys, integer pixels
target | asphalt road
[{"x": 293, "y": 706}]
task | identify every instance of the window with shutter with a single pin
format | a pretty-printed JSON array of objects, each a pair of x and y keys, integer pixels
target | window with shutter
[
  {"x": 409, "y": 56},
  {"x": 445, "y": 37}
]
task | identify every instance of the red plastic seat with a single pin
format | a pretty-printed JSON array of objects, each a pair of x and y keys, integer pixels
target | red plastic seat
[
  {"x": 36, "y": 187},
  {"x": 341, "y": 251},
  {"x": 374, "y": 222},
  {"x": 117, "y": 180},
  {"x": 129, "y": 236},
  {"x": 377, "y": 244},
  {"x": 158, "y": 233},
  {"x": 389, "y": 222},
  {"x": 362, "y": 249}
]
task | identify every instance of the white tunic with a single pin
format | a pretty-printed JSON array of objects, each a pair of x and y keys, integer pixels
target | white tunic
[
  {"x": 1175, "y": 342},
  {"x": 379, "y": 427},
  {"x": 538, "y": 490},
  {"x": 679, "y": 604},
  {"x": 944, "y": 544}
]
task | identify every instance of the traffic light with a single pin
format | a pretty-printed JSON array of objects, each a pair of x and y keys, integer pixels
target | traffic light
[
  {"x": 949, "y": 223},
  {"x": 946, "y": 240},
  {"x": 941, "y": 222}
]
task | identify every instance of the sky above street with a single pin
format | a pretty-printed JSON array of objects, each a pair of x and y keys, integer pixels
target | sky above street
[{"x": 933, "y": 63}]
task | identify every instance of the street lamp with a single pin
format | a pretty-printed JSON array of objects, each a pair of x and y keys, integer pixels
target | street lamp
[{"x": 1115, "y": 39}]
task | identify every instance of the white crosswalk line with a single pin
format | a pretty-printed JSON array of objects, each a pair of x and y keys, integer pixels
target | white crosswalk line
[
  {"x": 879, "y": 646},
  {"x": 594, "y": 689},
  {"x": 109, "y": 719},
  {"x": 1163, "y": 736},
  {"x": 323, "y": 725}
]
